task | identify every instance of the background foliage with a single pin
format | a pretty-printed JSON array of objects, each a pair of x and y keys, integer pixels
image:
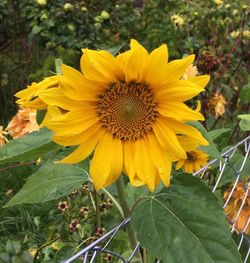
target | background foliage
[{"x": 34, "y": 33}]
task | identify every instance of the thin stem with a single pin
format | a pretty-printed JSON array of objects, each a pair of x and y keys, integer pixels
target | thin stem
[
  {"x": 98, "y": 214},
  {"x": 126, "y": 210}
]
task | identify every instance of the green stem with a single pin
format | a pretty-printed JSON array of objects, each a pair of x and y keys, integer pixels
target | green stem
[{"x": 126, "y": 210}]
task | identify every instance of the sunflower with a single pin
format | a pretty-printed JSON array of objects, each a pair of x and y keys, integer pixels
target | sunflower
[
  {"x": 128, "y": 109},
  {"x": 195, "y": 158}
]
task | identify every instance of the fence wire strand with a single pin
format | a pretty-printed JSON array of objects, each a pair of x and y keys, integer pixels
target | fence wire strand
[{"x": 91, "y": 252}]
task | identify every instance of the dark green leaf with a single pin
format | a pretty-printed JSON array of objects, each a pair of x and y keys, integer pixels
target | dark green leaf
[
  {"x": 185, "y": 223},
  {"x": 50, "y": 182},
  {"x": 28, "y": 147}
]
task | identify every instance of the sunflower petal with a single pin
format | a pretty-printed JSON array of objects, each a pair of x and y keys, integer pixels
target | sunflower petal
[
  {"x": 100, "y": 66},
  {"x": 157, "y": 61},
  {"x": 144, "y": 165},
  {"x": 129, "y": 163},
  {"x": 129, "y": 61},
  {"x": 179, "y": 111},
  {"x": 161, "y": 160},
  {"x": 73, "y": 122},
  {"x": 179, "y": 91},
  {"x": 181, "y": 128},
  {"x": 167, "y": 138},
  {"x": 106, "y": 165},
  {"x": 84, "y": 149},
  {"x": 76, "y": 87}
]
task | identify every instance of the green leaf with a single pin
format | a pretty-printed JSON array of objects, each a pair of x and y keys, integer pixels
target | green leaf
[
  {"x": 214, "y": 134},
  {"x": 28, "y": 147},
  {"x": 245, "y": 93},
  {"x": 58, "y": 66},
  {"x": 50, "y": 182},
  {"x": 229, "y": 174},
  {"x": 244, "y": 122},
  {"x": 115, "y": 50},
  {"x": 185, "y": 223},
  {"x": 210, "y": 149}
]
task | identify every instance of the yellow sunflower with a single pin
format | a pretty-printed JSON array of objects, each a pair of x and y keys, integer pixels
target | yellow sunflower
[
  {"x": 195, "y": 158},
  {"x": 128, "y": 109}
]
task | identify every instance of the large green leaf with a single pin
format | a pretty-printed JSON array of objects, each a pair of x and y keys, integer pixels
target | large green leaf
[
  {"x": 185, "y": 223},
  {"x": 50, "y": 182},
  {"x": 28, "y": 147},
  {"x": 210, "y": 149}
]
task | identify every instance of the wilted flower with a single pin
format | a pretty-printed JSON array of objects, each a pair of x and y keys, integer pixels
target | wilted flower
[
  {"x": 74, "y": 225},
  {"x": 22, "y": 123},
  {"x": 234, "y": 205},
  {"x": 216, "y": 104},
  {"x": 85, "y": 188},
  {"x": 84, "y": 211},
  {"x": 74, "y": 194},
  {"x": 68, "y": 7},
  {"x": 63, "y": 206},
  {"x": 177, "y": 20},
  {"x": 100, "y": 231},
  {"x": 107, "y": 257},
  {"x": 3, "y": 139},
  {"x": 207, "y": 62}
]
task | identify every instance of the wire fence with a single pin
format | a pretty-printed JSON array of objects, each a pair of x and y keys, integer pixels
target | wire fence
[{"x": 236, "y": 200}]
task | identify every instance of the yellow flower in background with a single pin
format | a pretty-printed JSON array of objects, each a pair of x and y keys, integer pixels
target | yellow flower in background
[
  {"x": 42, "y": 2},
  {"x": 3, "y": 138},
  {"x": 234, "y": 34},
  {"x": 246, "y": 34},
  {"x": 29, "y": 97},
  {"x": 68, "y": 7},
  {"x": 195, "y": 158},
  {"x": 219, "y": 2},
  {"x": 234, "y": 204},
  {"x": 177, "y": 20},
  {"x": 128, "y": 109},
  {"x": 22, "y": 123}
]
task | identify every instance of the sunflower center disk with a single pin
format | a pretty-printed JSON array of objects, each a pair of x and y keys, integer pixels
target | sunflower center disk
[{"x": 127, "y": 110}]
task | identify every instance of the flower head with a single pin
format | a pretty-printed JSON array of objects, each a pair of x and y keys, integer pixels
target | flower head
[
  {"x": 22, "y": 123},
  {"x": 235, "y": 202},
  {"x": 177, "y": 20},
  {"x": 63, "y": 206},
  {"x": 195, "y": 158},
  {"x": 216, "y": 104},
  {"x": 3, "y": 138},
  {"x": 128, "y": 109},
  {"x": 207, "y": 62},
  {"x": 219, "y": 2}
]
